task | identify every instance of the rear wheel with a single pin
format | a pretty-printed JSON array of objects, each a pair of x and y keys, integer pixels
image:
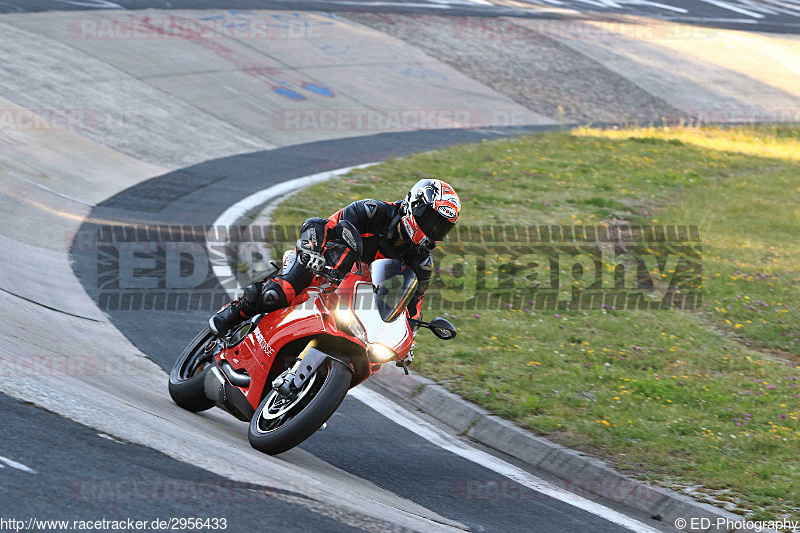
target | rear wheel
[
  {"x": 281, "y": 423},
  {"x": 188, "y": 374}
]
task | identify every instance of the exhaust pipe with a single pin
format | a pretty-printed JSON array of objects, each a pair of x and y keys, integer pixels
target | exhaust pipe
[
  {"x": 239, "y": 379},
  {"x": 225, "y": 396},
  {"x": 213, "y": 386}
]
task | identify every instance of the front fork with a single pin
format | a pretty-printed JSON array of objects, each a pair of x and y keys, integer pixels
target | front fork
[{"x": 304, "y": 367}]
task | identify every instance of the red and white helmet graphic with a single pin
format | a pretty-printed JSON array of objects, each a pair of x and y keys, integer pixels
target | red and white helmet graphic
[{"x": 430, "y": 211}]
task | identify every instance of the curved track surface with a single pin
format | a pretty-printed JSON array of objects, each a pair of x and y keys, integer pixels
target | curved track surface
[
  {"x": 197, "y": 195},
  {"x": 91, "y": 476},
  {"x": 357, "y": 440},
  {"x": 765, "y": 15},
  {"x": 204, "y": 117}
]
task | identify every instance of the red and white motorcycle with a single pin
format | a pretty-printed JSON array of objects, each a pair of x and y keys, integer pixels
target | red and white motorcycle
[{"x": 286, "y": 372}]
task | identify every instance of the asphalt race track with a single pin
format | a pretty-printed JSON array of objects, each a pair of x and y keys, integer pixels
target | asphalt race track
[
  {"x": 213, "y": 187},
  {"x": 766, "y": 16},
  {"x": 357, "y": 439},
  {"x": 197, "y": 117},
  {"x": 450, "y": 7},
  {"x": 116, "y": 479},
  {"x": 782, "y": 17}
]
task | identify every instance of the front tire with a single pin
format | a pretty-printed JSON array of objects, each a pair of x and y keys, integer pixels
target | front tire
[
  {"x": 275, "y": 429},
  {"x": 188, "y": 374}
]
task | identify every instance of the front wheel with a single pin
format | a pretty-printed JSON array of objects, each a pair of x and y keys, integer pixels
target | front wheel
[{"x": 281, "y": 423}]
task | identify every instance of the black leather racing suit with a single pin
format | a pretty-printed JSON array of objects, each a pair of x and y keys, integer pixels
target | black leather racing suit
[{"x": 377, "y": 223}]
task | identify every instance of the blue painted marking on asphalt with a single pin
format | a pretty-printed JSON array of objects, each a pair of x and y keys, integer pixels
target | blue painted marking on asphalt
[
  {"x": 318, "y": 89},
  {"x": 288, "y": 93}
]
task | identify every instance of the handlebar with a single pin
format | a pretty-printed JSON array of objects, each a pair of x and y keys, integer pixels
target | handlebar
[
  {"x": 331, "y": 274},
  {"x": 335, "y": 276}
]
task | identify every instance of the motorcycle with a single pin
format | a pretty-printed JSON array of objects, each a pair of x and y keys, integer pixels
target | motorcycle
[{"x": 286, "y": 372}]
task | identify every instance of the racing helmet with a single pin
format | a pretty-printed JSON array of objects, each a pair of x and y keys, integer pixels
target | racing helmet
[{"x": 429, "y": 212}]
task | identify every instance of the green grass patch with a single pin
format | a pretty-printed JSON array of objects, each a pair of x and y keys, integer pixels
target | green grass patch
[{"x": 707, "y": 398}]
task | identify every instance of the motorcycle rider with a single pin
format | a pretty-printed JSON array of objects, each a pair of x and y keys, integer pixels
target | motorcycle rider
[{"x": 406, "y": 230}]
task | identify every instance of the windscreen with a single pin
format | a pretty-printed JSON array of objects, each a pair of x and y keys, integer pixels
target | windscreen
[{"x": 394, "y": 284}]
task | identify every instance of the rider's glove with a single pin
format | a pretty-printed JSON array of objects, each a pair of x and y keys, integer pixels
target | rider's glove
[{"x": 309, "y": 257}]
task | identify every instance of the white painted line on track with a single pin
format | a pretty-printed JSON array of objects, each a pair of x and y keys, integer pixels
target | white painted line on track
[
  {"x": 463, "y": 2},
  {"x": 656, "y": 4},
  {"x": 735, "y": 8},
  {"x": 14, "y": 464},
  {"x": 380, "y": 4},
  {"x": 48, "y": 189},
  {"x": 440, "y": 438},
  {"x": 102, "y": 4},
  {"x": 707, "y": 19},
  {"x": 240, "y": 209},
  {"x": 112, "y": 439}
]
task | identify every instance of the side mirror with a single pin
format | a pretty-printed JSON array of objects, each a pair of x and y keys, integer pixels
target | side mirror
[
  {"x": 348, "y": 233},
  {"x": 443, "y": 328}
]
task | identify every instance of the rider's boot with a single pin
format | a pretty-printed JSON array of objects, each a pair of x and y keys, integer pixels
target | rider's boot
[{"x": 231, "y": 316}]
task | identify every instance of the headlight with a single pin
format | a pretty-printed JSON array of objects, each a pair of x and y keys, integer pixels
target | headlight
[
  {"x": 378, "y": 353},
  {"x": 348, "y": 322}
]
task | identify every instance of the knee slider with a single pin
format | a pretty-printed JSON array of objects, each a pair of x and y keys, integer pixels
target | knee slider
[{"x": 272, "y": 297}]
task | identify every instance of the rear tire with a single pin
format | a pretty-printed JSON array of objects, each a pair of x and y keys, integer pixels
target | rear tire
[
  {"x": 324, "y": 395},
  {"x": 186, "y": 379}
]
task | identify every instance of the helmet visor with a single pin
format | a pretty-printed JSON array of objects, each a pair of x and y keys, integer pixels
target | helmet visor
[{"x": 432, "y": 224}]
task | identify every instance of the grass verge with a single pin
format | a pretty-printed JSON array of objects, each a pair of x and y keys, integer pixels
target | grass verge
[{"x": 707, "y": 401}]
